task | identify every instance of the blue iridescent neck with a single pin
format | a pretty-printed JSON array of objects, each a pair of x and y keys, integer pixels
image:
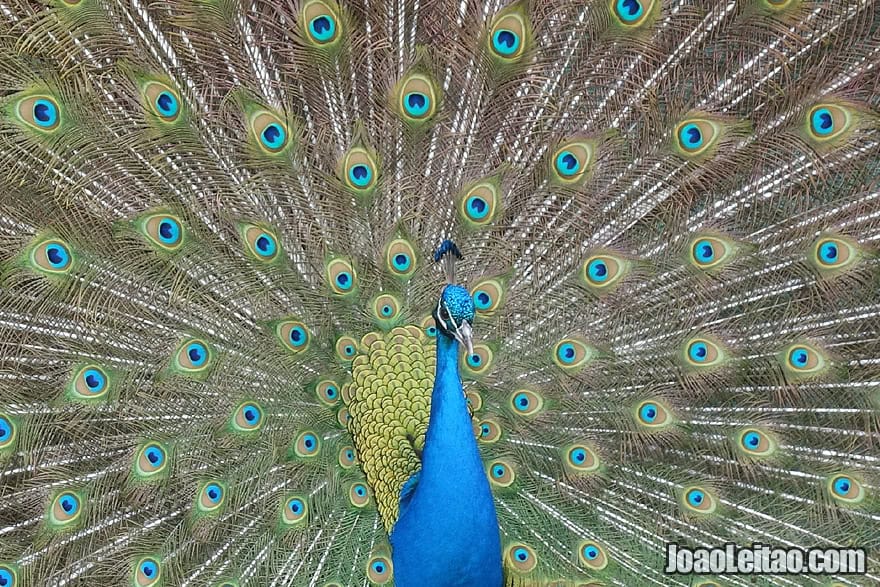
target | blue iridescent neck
[{"x": 448, "y": 521}]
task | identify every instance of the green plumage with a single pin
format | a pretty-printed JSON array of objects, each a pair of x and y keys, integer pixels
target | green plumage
[{"x": 217, "y": 222}]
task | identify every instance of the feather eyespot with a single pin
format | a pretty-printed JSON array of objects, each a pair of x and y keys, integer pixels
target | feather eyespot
[
  {"x": 358, "y": 494},
  {"x": 162, "y": 101},
  {"x": 347, "y": 458},
  {"x": 328, "y": 392},
  {"x": 261, "y": 243},
  {"x": 478, "y": 203},
  {"x": 294, "y": 335},
  {"x": 711, "y": 252},
  {"x": 521, "y": 558},
  {"x": 40, "y": 112},
  {"x": 602, "y": 272},
  {"x": 400, "y": 258},
  {"x": 802, "y": 360},
  {"x": 501, "y": 474},
  {"x": 632, "y": 13},
  {"x": 696, "y": 136},
  {"x": 479, "y": 362},
  {"x": 211, "y": 497},
  {"x": 247, "y": 417},
  {"x": 8, "y": 433},
  {"x": 831, "y": 255},
  {"x": 51, "y": 256},
  {"x": 845, "y": 489},
  {"x": 580, "y": 458},
  {"x": 90, "y": 383},
  {"x": 570, "y": 161},
  {"x": 308, "y": 444},
  {"x": 507, "y": 36},
  {"x": 755, "y": 443},
  {"x": 151, "y": 461},
  {"x": 194, "y": 356},
  {"x": 346, "y": 348},
  {"x": 8, "y": 576},
  {"x": 148, "y": 571},
  {"x": 65, "y": 510},
  {"x": 488, "y": 431},
  {"x": 592, "y": 555},
  {"x": 417, "y": 98},
  {"x": 526, "y": 403},
  {"x": 701, "y": 353},
  {"x": 294, "y": 511},
  {"x": 828, "y": 121},
  {"x": 163, "y": 230},
  {"x": 321, "y": 23},
  {"x": 386, "y": 310},
  {"x": 698, "y": 500},
  {"x": 653, "y": 415},
  {"x": 572, "y": 354},
  {"x": 488, "y": 296},
  {"x": 341, "y": 276},
  {"x": 379, "y": 569}
]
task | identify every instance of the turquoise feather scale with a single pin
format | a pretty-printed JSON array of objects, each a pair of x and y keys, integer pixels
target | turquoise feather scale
[{"x": 229, "y": 357}]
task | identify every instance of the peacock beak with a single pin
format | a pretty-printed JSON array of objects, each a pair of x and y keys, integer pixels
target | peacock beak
[{"x": 465, "y": 334}]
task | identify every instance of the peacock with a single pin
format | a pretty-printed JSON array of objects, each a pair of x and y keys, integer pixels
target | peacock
[{"x": 436, "y": 293}]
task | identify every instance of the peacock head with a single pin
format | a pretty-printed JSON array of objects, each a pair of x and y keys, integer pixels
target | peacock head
[
  {"x": 454, "y": 315},
  {"x": 455, "y": 310}
]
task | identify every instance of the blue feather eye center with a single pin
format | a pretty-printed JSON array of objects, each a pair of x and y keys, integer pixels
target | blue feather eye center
[
  {"x": 349, "y": 350},
  {"x": 169, "y": 231},
  {"x": 69, "y": 503},
  {"x": 799, "y": 357},
  {"x": 296, "y": 505},
  {"x": 402, "y": 261},
  {"x": 698, "y": 352},
  {"x": 95, "y": 380},
  {"x": 360, "y": 490},
  {"x": 629, "y": 10},
  {"x": 6, "y": 578},
  {"x": 310, "y": 442},
  {"x": 691, "y": 136},
  {"x": 521, "y": 554},
  {"x": 822, "y": 121},
  {"x": 648, "y": 412},
  {"x": 378, "y": 567},
  {"x": 477, "y": 207},
  {"x": 416, "y": 104},
  {"x": 704, "y": 251},
  {"x": 522, "y": 402},
  {"x": 322, "y": 28},
  {"x": 842, "y": 485},
  {"x": 5, "y": 429},
  {"x": 298, "y": 336},
  {"x": 431, "y": 331},
  {"x": 45, "y": 113},
  {"x": 567, "y": 163},
  {"x": 482, "y": 300},
  {"x": 597, "y": 270},
  {"x": 344, "y": 280},
  {"x": 197, "y": 354},
  {"x": 57, "y": 255},
  {"x": 505, "y": 42},
  {"x": 214, "y": 492},
  {"x": 265, "y": 245},
  {"x": 475, "y": 360},
  {"x": 360, "y": 175},
  {"x": 578, "y": 455},
  {"x": 751, "y": 440},
  {"x": 149, "y": 569},
  {"x": 591, "y": 552},
  {"x": 273, "y": 136},
  {"x": 829, "y": 252},
  {"x": 498, "y": 471},
  {"x": 155, "y": 455},
  {"x": 567, "y": 353},
  {"x": 251, "y": 414},
  {"x": 167, "y": 104},
  {"x": 695, "y": 497}
]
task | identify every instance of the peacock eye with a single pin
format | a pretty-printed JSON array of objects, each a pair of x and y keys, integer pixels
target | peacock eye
[{"x": 444, "y": 313}]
